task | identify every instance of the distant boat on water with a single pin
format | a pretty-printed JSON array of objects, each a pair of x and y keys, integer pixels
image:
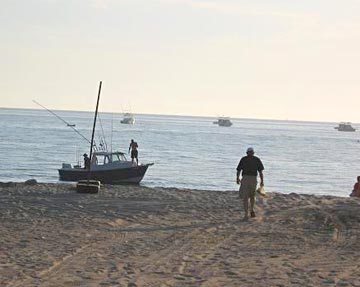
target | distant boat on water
[
  {"x": 71, "y": 125},
  {"x": 345, "y": 127},
  {"x": 128, "y": 119},
  {"x": 223, "y": 122}
]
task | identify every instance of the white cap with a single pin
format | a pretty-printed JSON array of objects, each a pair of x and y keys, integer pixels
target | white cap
[{"x": 250, "y": 150}]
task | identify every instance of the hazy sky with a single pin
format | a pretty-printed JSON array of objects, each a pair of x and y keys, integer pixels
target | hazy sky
[{"x": 278, "y": 59}]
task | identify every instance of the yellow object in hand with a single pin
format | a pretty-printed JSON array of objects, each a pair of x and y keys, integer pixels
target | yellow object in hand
[{"x": 261, "y": 190}]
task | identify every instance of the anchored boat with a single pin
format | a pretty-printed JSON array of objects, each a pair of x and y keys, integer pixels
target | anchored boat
[
  {"x": 107, "y": 167},
  {"x": 223, "y": 122},
  {"x": 345, "y": 127},
  {"x": 104, "y": 166},
  {"x": 128, "y": 119}
]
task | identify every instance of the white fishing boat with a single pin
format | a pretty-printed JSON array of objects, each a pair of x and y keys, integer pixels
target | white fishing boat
[
  {"x": 345, "y": 127},
  {"x": 105, "y": 166},
  {"x": 223, "y": 122},
  {"x": 128, "y": 119}
]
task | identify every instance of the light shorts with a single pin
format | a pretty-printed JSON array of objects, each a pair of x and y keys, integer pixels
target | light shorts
[{"x": 248, "y": 186}]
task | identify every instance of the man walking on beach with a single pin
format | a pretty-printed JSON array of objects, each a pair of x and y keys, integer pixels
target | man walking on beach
[
  {"x": 134, "y": 152},
  {"x": 250, "y": 165}
]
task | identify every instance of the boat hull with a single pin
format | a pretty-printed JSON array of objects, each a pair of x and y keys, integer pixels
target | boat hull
[
  {"x": 345, "y": 127},
  {"x": 131, "y": 175},
  {"x": 129, "y": 122},
  {"x": 345, "y": 130},
  {"x": 225, "y": 125}
]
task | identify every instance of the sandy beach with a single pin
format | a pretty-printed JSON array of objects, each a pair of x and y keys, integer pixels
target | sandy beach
[{"x": 136, "y": 236}]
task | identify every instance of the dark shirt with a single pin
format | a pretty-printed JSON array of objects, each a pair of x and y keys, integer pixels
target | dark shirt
[
  {"x": 357, "y": 186},
  {"x": 87, "y": 162},
  {"x": 250, "y": 165}
]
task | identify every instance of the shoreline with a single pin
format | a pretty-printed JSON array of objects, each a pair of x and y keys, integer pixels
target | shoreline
[
  {"x": 141, "y": 185},
  {"x": 140, "y": 236}
]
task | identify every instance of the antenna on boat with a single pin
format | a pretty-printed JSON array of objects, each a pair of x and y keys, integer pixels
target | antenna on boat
[{"x": 61, "y": 119}]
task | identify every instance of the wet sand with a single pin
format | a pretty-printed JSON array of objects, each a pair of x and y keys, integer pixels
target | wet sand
[{"x": 136, "y": 236}]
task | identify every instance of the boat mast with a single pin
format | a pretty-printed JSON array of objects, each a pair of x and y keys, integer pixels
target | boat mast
[{"x": 93, "y": 131}]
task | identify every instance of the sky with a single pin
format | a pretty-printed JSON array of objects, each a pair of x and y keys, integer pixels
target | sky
[{"x": 266, "y": 59}]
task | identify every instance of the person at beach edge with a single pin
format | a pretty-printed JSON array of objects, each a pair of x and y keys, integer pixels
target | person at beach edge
[
  {"x": 356, "y": 190},
  {"x": 249, "y": 167},
  {"x": 134, "y": 151}
]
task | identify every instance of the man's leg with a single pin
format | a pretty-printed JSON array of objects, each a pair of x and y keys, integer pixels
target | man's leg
[
  {"x": 137, "y": 161},
  {"x": 252, "y": 203},
  {"x": 246, "y": 207},
  {"x": 244, "y": 190},
  {"x": 252, "y": 197}
]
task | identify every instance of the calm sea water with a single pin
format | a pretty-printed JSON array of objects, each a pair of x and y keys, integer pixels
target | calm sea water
[{"x": 188, "y": 152}]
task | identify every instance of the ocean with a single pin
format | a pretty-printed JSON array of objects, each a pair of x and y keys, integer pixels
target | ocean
[{"x": 187, "y": 152}]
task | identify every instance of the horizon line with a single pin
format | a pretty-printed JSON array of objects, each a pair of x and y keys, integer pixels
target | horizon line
[{"x": 180, "y": 115}]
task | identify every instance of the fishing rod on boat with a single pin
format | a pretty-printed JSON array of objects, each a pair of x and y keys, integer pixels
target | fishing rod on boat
[{"x": 60, "y": 118}]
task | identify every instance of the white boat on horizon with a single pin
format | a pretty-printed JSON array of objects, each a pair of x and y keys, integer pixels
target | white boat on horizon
[
  {"x": 128, "y": 119},
  {"x": 345, "y": 127},
  {"x": 223, "y": 122}
]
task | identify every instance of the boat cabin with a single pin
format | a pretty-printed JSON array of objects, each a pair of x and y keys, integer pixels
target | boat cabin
[{"x": 102, "y": 160}]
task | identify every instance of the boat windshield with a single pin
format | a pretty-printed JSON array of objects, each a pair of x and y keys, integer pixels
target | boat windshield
[
  {"x": 118, "y": 157},
  {"x": 106, "y": 158}
]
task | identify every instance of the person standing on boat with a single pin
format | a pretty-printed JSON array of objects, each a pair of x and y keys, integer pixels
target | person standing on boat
[
  {"x": 86, "y": 161},
  {"x": 94, "y": 160},
  {"x": 134, "y": 151},
  {"x": 250, "y": 166}
]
